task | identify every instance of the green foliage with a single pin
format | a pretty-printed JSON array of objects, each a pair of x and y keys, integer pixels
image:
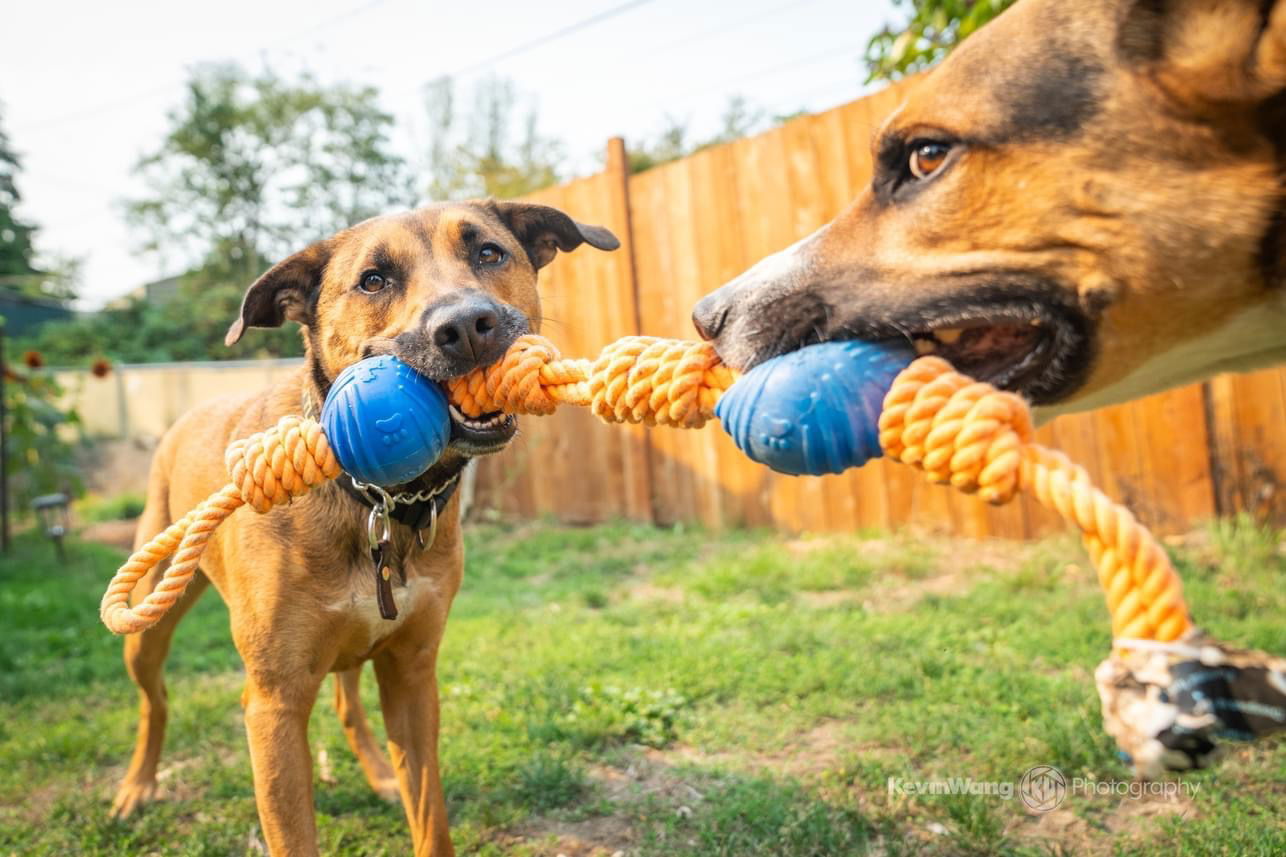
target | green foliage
[
  {"x": 120, "y": 507},
  {"x": 932, "y": 29},
  {"x": 189, "y": 326},
  {"x": 254, "y": 166},
  {"x": 499, "y": 151},
  {"x": 16, "y": 235},
  {"x": 56, "y": 278},
  {"x": 43, "y": 437},
  {"x": 604, "y": 714}
]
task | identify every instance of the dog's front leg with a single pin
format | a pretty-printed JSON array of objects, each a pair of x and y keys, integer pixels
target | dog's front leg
[
  {"x": 276, "y": 713},
  {"x": 409, "y": 699}
]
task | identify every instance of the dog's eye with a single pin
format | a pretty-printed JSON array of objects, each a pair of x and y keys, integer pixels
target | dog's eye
[
  {"x": 372, "y": 282},
  {"x": 491, "y": 255},
  {"x": 927, "y": 158}
]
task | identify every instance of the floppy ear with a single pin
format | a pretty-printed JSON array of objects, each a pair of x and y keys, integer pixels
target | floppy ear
[
  {"x": 544, "y": 230},
  {"x": 283, "y": 293},
  {"x": 1209, "y": 53}
]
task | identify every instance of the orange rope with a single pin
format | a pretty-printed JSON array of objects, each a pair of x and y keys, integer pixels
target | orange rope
[
  {"x": 959, "y": 431},
  {"x": 267, "y": 468}
]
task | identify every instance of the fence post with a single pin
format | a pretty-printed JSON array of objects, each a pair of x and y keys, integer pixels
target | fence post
[{"x": 617, "y": 167}]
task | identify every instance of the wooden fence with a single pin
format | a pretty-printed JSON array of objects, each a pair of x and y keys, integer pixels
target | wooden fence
[{"x": 686, "y": 227}]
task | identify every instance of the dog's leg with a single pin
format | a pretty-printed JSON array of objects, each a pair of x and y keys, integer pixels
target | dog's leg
[
  {"x": 409, "y": 699},
  {"x": 348, "y": 703},
  {"x": 277, "y": 703},
  {"x": 145, "y": 655}
]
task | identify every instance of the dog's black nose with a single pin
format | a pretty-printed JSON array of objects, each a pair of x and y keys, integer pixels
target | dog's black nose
[
  {"x": 709, "y": 315},
  {"x": 467, "y": 330}
]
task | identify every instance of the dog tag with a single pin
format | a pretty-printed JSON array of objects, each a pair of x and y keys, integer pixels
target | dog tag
[
  {"x": 379, "y": 532},
  {"x": 381, "y": 557}
]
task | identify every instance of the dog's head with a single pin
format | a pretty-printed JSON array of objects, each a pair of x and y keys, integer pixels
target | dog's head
[
  {"x": 1078, "y": 189},
  {"x": 446, "y": 289}
]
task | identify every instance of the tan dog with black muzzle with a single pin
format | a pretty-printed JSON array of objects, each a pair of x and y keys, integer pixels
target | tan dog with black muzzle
[
  {"x": 1084, "y": 203},
  {"x": 446, "y": 289}
]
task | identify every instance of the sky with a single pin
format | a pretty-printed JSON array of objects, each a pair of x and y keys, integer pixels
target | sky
[{"x": 86, "y": 86}]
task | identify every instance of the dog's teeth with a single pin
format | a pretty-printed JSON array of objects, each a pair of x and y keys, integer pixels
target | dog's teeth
[
  {"x": 456, "y": 413},
  {"x": 925, "y": 346},
  {"x": 948, "y": 336}
]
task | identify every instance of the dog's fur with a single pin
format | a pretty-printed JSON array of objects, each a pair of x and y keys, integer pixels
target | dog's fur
[
  {"x": 1107, "y": 221},
  {"x": 298, "y": 581}
]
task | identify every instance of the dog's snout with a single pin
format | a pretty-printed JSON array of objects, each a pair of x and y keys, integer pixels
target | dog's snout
[
  {"x": 468, "y": 331},
  {"x": 709, "y": 315}
]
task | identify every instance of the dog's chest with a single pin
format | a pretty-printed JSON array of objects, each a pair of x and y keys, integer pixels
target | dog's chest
[{"x": 359, "y": 613}]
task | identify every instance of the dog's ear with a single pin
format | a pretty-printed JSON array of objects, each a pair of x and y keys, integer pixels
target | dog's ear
[
  {"x": 1209, "y": 54},
  {"x": 544, "y": 230},
  {"x": 283, "y": 293}
]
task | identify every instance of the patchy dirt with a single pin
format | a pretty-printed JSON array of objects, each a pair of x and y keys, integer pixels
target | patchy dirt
[
  {"x": 604, "y": 836},
  {"x": 117, "y": 534},
  {"x": 819, "y": 749},
  {"x": 649, "y": 592}
]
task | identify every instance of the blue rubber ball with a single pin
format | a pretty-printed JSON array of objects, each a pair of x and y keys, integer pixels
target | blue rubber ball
[
  {"x": 386, "y": 422},
  {"x": 815, "y": 410}
]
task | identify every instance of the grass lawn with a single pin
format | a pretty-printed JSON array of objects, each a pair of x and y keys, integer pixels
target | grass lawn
[{"x": 668, "y": 692}]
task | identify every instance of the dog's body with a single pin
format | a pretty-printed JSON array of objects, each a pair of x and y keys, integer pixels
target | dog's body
[
  {"x": 446, "y": 289},
  {"x": 1084, "y": 203}
]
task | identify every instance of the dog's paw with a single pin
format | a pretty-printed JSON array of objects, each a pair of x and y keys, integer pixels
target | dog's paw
[{"x": 132, "y": 796}]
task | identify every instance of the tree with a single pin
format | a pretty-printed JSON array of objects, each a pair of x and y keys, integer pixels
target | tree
[
  {"x": 491, "y": 155},
  {"x": 19, "y": 271},
  {"x": 16, "y": 235},
  {"x": 254, "y": 167},
  {"x": 932, "y": 30},
  {"x": 739, "y": 119}
]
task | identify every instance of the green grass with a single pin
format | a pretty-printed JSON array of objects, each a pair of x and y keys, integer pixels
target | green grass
[{"x": 666, "y": 692}]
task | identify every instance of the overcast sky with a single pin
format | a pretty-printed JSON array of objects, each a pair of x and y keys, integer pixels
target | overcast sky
[{"x": 86, "y": 85}]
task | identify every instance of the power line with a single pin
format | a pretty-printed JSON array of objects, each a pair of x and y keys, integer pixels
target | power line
[
  {"x": 165, "y": 89},
  {"x": 725, "y": 28},
  {"x": 540, "y": 41}
]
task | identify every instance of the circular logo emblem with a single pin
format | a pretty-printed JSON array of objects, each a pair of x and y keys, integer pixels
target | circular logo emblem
[{"x": 1042, "y": 788}]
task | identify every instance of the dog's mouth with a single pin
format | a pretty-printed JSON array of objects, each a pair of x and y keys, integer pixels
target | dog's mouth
[
  {"x": 1012, "y": 355},
  {"x": 483, "y": 434},
  {"x": 1019, "y": 341}
]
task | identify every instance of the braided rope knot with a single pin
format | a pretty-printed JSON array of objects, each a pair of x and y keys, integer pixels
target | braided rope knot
[
  {"x": 268, "y": 468},
  {"x": 978, "y": 439},
  {"x": 958, "y": 431},
  {"x": 281, "y": 462},
  {"x": 532, "y": 378},
  {"x": 666, "y": 382},
  {"x": 636, "y": 379}
]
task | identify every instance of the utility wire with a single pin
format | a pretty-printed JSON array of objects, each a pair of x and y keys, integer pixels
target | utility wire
[
  {"x": 164, "y": 89},
  {"x": 540, "y": 41}
]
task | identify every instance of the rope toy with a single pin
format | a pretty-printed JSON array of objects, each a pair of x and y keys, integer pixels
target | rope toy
[{"x": 1167, "y": 691}]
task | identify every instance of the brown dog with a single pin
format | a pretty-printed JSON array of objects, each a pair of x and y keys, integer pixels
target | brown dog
[
  {"x": 447, "y": 289},
  {"x": 1084, "y": 203}
]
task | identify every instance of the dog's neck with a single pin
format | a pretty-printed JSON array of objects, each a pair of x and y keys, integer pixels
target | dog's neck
[{"x": 1254, "y": 338}]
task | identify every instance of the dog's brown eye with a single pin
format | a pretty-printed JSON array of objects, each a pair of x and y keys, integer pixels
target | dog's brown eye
[
  {"x": 372, "y": 282},
  {"x": 928, "y": 158},
  {"x": 490, "y": 254}
]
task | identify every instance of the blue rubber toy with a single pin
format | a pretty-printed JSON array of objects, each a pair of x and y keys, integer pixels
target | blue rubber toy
[
  {"x": 386, "y": 422},
  {"x": 815, "y": 410}
]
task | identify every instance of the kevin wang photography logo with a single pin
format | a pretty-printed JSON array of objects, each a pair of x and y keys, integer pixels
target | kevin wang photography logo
[{"x": 1041, "y": 788}]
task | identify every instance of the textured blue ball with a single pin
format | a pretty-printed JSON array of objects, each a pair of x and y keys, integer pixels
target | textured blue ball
[
  {"x": 815, "y": 410},
  {"x": 386, "y": 422}
]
